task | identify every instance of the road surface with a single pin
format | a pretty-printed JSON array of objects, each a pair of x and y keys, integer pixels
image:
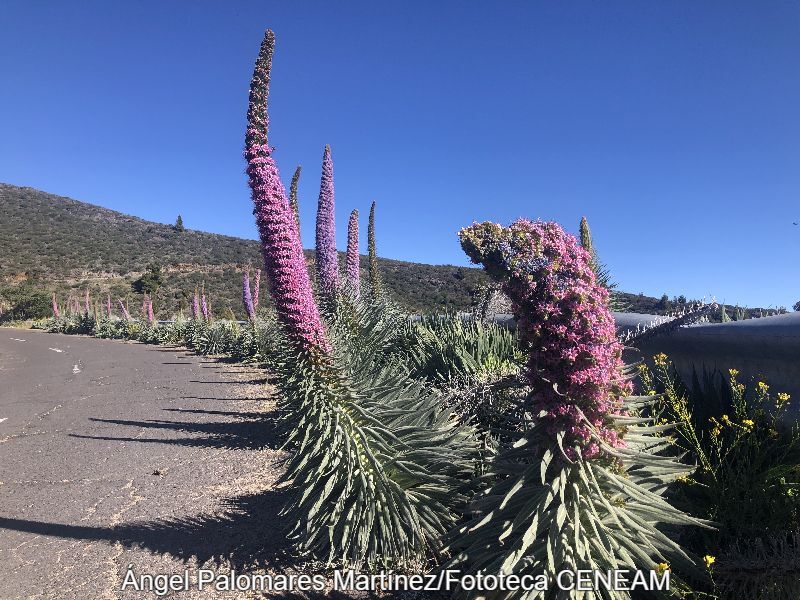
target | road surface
[{"x": 116, "y": 453}]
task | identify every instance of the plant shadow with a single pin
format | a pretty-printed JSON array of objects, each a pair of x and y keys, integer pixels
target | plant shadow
[
  {"x": 247, "y": 534},
  {"x": 250, "y": 431}
]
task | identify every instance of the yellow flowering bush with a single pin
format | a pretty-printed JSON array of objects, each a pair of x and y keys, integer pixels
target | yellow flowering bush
[{"x": 748, "y": 461}]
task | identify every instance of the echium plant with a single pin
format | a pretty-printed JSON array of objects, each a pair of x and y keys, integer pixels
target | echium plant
[
  {"x": 196, "y": 305},
  {"x": 293, "y": 201},
  {"x": 601, "y": 272},
  {"x": 256, "y": 290},
  {"x": 204, "y": 308},
  {"x": 56, "y": 312},
  {"x": 353, "y": 257},
  {"x": 326, "y": 256},
  {"x": 581, "y": 486},
  {"x": 247, "y": 296},
  {"x": 376, "y": 467},
  {"x": 372, "y": 265},
  {"x": 126, "y": 315}
]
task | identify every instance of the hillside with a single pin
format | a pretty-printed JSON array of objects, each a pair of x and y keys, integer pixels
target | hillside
[
  {"x": 60, "y": 244},
  {"x": 52, "y": 243}
]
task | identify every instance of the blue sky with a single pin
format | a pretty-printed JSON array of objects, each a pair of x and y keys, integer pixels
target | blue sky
[{"x": 673, "y": 126}]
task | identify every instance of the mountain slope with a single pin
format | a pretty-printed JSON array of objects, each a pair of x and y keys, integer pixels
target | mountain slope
[{"x": 60, "y": 244}]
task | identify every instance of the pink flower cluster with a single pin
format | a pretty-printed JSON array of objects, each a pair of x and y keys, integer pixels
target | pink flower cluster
[
  {"x": 563, "y": 320},
  {"x": 284, "y": 261},
  {"x": 353, "y": 265},
  {"x": 56, "y": 312},
  {"x": 327, "y": 258}
]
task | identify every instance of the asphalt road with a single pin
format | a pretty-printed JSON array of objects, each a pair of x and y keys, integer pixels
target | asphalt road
[{"x": 114, "y": 454}]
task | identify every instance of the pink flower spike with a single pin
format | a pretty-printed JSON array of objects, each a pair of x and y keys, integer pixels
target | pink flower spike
[{"x": 284, "y": 261}]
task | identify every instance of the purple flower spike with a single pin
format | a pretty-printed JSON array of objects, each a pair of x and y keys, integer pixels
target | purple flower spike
[
  {"x": 204, "y": 307},
  {"x": 575, "y": 359},
  {"x": 284, "y": 262},
  {"x": 151, "y": 318},
  {"x": 247, "y": 297},
  {"x": 87, "y": 303},
  {"x": 353, "y": 258},
  {"x": 196, "y": 306},
  {"x": 56, "y": 312},
  {"x": 108, "y": 306},
  {"x": 125, "y": 312},
  {"x": 256, "y": 290},
  {"x": 327, "y": 259}
]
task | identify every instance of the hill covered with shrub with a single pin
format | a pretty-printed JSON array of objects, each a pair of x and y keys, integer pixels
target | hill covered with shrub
[{"x": 52, "y": 243}]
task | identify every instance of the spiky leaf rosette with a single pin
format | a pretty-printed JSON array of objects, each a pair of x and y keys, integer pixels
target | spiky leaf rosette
[
  {"x": 549, "y": 513},
  {"x": 581, "y": 488},
  {"x": 380, "y": 471},
  {"x": 377, "y": 467}
]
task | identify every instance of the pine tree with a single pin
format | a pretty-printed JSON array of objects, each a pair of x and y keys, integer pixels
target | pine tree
[{"x": 179, "y": 225}]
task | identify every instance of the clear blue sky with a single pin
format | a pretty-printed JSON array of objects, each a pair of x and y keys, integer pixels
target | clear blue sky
[{"x": 673, "y": 126}]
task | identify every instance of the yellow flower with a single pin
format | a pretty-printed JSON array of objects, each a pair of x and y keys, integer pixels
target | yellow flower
[
  {"x": 709, "y": 560},
  {"x": 661, "y": 567},
  {"x": 726, "y": 419},
  {"x": 716, "y": 431},
  {"x": 733, "y": 372},
  {"x": 763, "y": 387},
  {"x": 660, "y": 359},
  {"x": 748, "y": 423},
  {"x": 783, "y": 398}
]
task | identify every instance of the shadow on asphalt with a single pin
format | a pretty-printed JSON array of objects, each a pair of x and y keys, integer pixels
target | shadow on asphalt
[
  {"x": 252, "y": 431},
  {"x": 222, "y": 413},
  {"x": 259, "y": 381},
  {"x": 248, "y": 534}
]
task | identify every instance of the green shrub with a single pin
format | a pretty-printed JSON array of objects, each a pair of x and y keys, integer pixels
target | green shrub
[{"x": 27, "y": 303}]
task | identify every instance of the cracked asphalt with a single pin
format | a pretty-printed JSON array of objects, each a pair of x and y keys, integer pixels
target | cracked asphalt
[{"x": 115, "y": 454}]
